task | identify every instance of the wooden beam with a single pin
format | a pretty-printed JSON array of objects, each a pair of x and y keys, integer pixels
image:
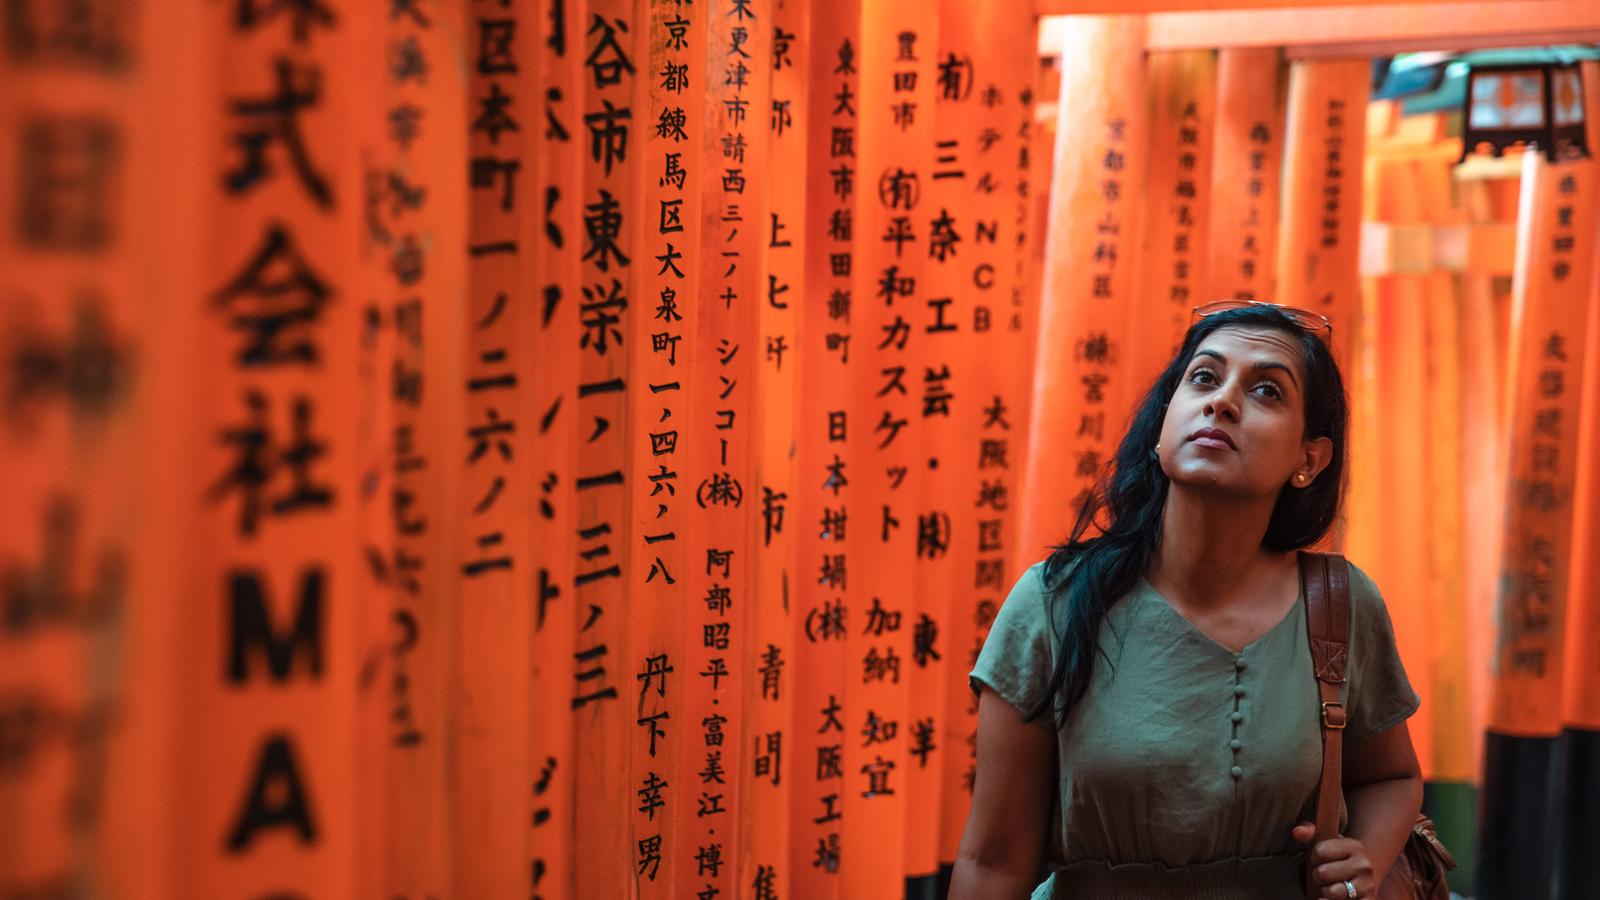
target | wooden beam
[
  {"x": 1392, "y": 249},
  {"x": 1124, "y": 7},
  {"x": 1355, "y": 29}
]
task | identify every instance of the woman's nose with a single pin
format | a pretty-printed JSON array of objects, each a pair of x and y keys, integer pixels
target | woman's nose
[{"x": 1223, "y": 405}]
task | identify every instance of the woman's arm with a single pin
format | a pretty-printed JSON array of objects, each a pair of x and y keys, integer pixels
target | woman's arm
[
  {"x": 1383, "y": 790},
  {"x": 1012, "y": 795}
]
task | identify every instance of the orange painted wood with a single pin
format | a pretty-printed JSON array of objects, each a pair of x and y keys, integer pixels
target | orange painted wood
[
  {"x": 1438, "y": 9},
  {"x": 418, "y": 209},
  {"x": 1319, "y": 236},
  {"x": 1552, "y": 293},
  {"x": 1246, "y": 175},
  {"x": 946, "y": 407},
  {"x": 1396, "y": 470},
  {"x": 721, "y": 467},
  {"x": 78, "y": 695},
  {"x": 612, "y": 257},
  {"x": 1483, "y": 450},
  {"x": 375, "y": 366},
  {"x": 1454, "y": 755},
  {"x": 1361, "y": 29},
  {"x": 557, "y": 431},
  {"x": 1082, "y": 385},
  {"x": 266, "y": 753},
  {"x": 134, "y": 842},
  {"x": 771, "y": 727},
  {"x": 491, "y": 688},
  {"x": 890, "y": 317},
  {"x": 1002, "y": 166},
  {"x": 1581, "y": 680},
  {"x": 664, "y": 765},
  {"x": 1182, "y": 125},
  {"x": 826, "y": 480}
]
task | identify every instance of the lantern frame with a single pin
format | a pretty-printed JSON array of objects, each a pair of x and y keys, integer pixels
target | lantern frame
[{"x": 1559, "y": 140}]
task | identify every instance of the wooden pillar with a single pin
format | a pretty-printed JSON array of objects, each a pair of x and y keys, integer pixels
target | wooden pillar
[
  {"x": 1245, "y": 175},
  {"x": 491, "y": 687},
  {"x": 612, "y": 256},
  {"x": 1182, "y": 126},
  {"x": 825, "y": 498},
  {"x": 721, "y": 474},
  {"x": 999, "y": 184},
  {"x": 84, "y": 611},
  {"x": 772, "y": 728},
  {"x": 1521, "y": 793},
  {"x": 414, "y": 226},
  {"x": 558, "y": 433},
  {"x": 1082, "y": 388},
  {"x": 891, "y": 313},
  {"x": 662, "y": 781},
  {"x": 266, "y": 751},
  {"x": 1580, "y": 751},
  {"x": 1319, "y": 236}
]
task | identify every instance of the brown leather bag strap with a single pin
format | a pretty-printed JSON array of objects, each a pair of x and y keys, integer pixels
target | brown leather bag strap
[{"x": 1326, "y": 580}]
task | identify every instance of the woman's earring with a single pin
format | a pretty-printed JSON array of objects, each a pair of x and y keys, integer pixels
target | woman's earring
[{"x": 1300, "y": 478}]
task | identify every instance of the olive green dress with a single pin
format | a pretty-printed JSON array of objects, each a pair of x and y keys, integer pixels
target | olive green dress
[{"x": 1186, "y": 764}]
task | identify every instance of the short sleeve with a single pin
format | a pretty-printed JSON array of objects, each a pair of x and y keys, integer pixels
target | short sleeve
[
  {"x": 1018, "y": 656},
  {"x": 1380, "y": 695}
]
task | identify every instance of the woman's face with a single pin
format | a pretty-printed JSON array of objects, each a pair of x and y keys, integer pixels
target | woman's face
[{"x": 1237, "y": 421}]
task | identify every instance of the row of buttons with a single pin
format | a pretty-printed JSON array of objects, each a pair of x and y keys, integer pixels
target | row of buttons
[{"x": 1238, "y": 715}]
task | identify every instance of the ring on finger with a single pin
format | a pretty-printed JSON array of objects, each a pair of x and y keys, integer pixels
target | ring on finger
[{"x": 1350, "y": 889}]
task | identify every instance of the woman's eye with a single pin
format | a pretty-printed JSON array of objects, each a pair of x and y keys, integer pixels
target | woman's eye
[
  {"x": 1199, "y": 372},
  {"x": 1272, "y": 390}
]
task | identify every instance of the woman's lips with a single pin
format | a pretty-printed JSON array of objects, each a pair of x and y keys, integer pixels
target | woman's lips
[{"x": 1212, "y": 437}]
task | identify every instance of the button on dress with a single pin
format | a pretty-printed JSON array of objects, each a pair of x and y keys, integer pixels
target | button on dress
[{"x": 1186, "y": 763}]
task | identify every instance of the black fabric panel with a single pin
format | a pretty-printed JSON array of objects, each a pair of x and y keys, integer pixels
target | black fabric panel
[
  {"x": 923, "y": 887},
  {"x": 1517, "y": 824},
  {"x": 1576, "y": 871}
]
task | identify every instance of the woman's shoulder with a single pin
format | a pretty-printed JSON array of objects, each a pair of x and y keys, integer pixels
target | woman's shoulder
[{"x": 1364, "y": 593}]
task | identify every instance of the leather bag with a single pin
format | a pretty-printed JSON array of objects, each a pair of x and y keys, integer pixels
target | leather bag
[{"x": 1418, "y": 873}]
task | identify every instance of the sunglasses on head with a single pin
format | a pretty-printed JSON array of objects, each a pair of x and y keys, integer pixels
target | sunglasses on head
[{"x": 1316, "y": 323}]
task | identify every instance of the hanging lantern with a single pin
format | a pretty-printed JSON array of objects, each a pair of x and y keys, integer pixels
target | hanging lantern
[{"x": 1539, "y": 104}]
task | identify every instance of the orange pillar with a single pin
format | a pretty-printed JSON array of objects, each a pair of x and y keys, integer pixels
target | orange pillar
[
  {"x": 1553, "y": 283},
  {"x": 1246, "y": 168},
  {"x": 417, "y": 208},
  {"x": 823, "y": 504},
  {"x": 663, "y": 776},
  {"x": 491, "y": 687},
  {"x": 1320, "y": 233},
  {"x": 266, "y": 757},
  {"x": 80, "y": 608},
  {"x": 1581, "y": 680},
  {"x": 612, "y": 255},
  {"x": 997, "y": 130},
  {"x": 1082, "y": 386},
  {"x": 893, "y": 308},
  {"x": 947, "y": 407},
  {"x": 772, "y": 674},
  {"x": 1177, "y": 199},
  {"x": 557, "y": 435},
  {"x": 1391, "y": 464},
  {"x": 721, "y": 474}
]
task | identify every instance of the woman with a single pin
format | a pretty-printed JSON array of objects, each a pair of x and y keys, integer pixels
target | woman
[{"x": 1147, "y": 717}]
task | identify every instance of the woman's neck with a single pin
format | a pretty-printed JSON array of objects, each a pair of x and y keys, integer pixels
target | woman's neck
[{"x": 1210, "y": 548}]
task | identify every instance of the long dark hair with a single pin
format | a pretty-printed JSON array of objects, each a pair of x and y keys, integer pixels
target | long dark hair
[{"x": 1093, "y": 572}]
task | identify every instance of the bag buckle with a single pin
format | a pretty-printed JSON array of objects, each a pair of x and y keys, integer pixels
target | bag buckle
[{"x": 1335, "y": 722}]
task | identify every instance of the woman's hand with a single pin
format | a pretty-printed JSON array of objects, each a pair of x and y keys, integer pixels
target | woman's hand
[{"x": 1336, "y": 861}]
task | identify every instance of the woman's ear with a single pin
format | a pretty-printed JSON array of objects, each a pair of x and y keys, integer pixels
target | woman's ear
[{"x": 1318, "y": 454}]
